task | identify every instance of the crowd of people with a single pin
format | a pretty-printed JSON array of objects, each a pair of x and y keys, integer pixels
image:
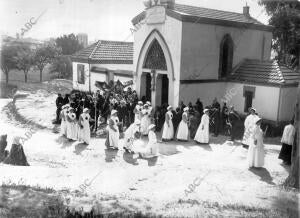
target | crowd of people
[{"x": 114, "y": 112}]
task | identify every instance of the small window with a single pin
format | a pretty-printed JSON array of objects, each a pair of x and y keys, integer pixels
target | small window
[
  {"x": 248, "y": 100},
  {"x": 80, "y": 74},
  {"x": 226, "y": 56}
]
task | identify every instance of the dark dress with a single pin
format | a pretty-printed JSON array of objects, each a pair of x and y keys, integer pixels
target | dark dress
[
  {"x": 286, "y": 153},
  {"x": 195, "y": 119}
]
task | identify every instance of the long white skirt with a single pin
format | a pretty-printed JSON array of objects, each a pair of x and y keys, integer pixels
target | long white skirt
[
  {"x": 63, "y": 128},
  {"x": 145, "y": 123},
  {"x": 84, "y": 134},
  {"x": 113, "y": 138},
  {"x": 248, "y": 136},
  {"x": 168, "y": 131},
  {"x": 202, "y": 135},
  {"x": 72, "y": 131},
  {"x": 183, "y": 131},
  {"x": 255, "y": 156}
]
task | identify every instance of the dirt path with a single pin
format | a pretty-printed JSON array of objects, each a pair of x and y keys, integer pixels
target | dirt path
[{"x": 178, "y": 182}]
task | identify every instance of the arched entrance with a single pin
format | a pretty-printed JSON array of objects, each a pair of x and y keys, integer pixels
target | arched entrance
[{"x": 155, "y": 79}]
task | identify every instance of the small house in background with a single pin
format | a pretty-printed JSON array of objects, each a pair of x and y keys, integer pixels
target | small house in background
[{"x": 101, "y": 62}]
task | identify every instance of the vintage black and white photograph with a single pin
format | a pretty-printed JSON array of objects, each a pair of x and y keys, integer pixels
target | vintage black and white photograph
[{"x": 149, "y": 108}]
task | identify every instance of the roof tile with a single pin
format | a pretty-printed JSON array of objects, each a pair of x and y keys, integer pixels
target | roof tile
[
  {"x": 108, "y": 52},
  {"x": 264, "y": 72}
]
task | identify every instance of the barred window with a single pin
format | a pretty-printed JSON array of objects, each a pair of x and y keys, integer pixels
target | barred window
[{"x": 80, "y": 74}]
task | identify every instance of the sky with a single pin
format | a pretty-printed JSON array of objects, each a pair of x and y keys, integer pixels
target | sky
[{"x": 100, "y": 19}]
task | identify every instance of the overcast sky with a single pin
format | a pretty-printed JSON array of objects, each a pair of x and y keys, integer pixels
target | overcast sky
[{"x": 100, "y": 19}]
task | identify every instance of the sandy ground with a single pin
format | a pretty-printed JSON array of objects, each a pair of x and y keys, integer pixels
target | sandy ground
[{"x": 183, "y": 172}]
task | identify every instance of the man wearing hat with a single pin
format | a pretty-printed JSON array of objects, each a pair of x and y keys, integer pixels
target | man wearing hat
[
  {"x": 59, "y": 103},
  {"x": 249, "y": 125},
  {"x": 122, "y": 113},
  {"x": 233, "y": 118}
]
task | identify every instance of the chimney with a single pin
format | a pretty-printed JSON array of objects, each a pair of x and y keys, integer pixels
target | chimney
[
  {"x": 170, "y": 4},
  {"x": 246, "y": 10}
]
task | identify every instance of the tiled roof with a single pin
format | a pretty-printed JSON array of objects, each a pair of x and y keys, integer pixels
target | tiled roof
[
  {"x": 214, "y": 14},
  {"x": 256, "y": 71},
  {"x": 107, "y": 52},
  {"x": 206, "y": 15}
]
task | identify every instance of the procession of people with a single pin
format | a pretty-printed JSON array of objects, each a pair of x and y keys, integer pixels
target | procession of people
[{"x": 119, "y": 113}]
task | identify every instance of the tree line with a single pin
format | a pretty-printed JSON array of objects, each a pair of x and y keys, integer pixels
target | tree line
[{"x": 23, "y": 57}]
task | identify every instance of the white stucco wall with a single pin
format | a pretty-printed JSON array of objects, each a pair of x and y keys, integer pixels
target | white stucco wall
[
  {"x": 287, "y": 103},
  {"x": 171, "y": 31},
  {"x": 201, "y": 48},
  {"x": 95, "y": 76},
  {"x": 115, "y": 66},
  {"x": 76, "y": 85},
  {"x": 205, "y": 91},
  {"x": 265, "y": 101}
]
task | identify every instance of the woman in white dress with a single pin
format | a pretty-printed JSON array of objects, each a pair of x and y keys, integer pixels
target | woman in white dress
[
  {"x": 63, "y": 125},
  {"x": 71, "y": 125},
  {"x": 113, "y": 130},
  {"x": 183, "y": 130},
  {"x": 146, "y": 120},
  {"x": 202, "y": 134},
  {"x": 168, "y": 129},
  {"x": 138, "y": 111},
  {"x": 84, "y": 134},
  {"x": 151, "y": 149},
  {"x": 256, "y": 153}
]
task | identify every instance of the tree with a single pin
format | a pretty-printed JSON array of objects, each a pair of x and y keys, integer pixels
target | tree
[
  {"x": 44, "y": 55},
  {"x": 285, "y": 17},
  {"x": 62, "y": 65},
  {"x": 293, "y": 178},
  {"x": 7, "y": 60},
  {"x": 69, "y": 44},
  {"x": 24, "y": 59}
]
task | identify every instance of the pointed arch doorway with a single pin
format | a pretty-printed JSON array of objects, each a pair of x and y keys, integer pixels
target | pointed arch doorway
[{"x": 155, "y": 71}]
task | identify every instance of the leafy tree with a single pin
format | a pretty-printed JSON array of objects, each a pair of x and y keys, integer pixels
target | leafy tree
[
  {"x": 62, "y": 67},
  {"x": 44, "y": 55},
  {"x": 285, "y": 17},
  {"x": 24, "y": 59},
  {"x": 8, "y": 63},
  {"x": 69, "y": 44}
]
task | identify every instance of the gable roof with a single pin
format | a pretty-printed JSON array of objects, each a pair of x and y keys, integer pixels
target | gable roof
[
  {"x": 264, "y": 72},
  {"x": 106, "y": 52},
  {"x": 187, "y": 13}
]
